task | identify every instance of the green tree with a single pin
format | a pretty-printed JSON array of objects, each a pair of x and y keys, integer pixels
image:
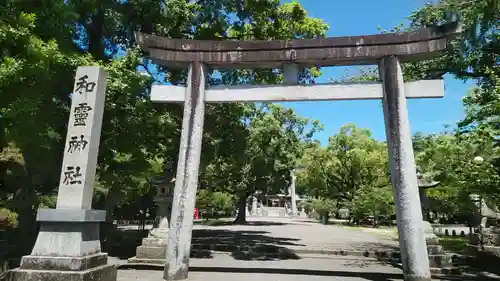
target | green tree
[
  {"x": 373, "y": 201},
  {"x": 270, "y": 145},
  {"x": 43, "y": 44},
  {"x": 472, "y": 55},
  {"x": 352, "y": 162},
  {"x": 449, "y": 159}
]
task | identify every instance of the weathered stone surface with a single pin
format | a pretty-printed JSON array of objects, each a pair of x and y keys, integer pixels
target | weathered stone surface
[
  {"x": 151, "y": 252},
  {"x": 77, "y": 179},
  {"x": 440, "y": 261},
  {"x": 151, "y": 241},
  {"x": 430, "y": 237},
  {"x": 489, "y": 239},
  {"x": 434, "y": 249},
  {"x": 304, "y": 92},
  {"x": 63, "y": 263},
  {"x": 68, "y": 247},
  {"x": 351, "y": 50},
  {"x": 186, "y": 183},
  {"x": 66, "y": 239},
  {"x": 143, "y": 261},
  {"x": 70, "y": 215},
  {"x": 477, "y": 250},
  {"x": 101, "y": 273},
  {"x": 446, "y": 271},
  {"x": 432, "y": 240},
  {"x": 160, "y": 234},
  {"x": 403, "y": 172}
]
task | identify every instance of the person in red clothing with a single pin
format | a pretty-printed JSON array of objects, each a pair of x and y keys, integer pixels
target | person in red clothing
[{"x": 195, "y": 215}]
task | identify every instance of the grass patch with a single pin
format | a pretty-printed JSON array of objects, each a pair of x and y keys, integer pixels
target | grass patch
[{"x": 455, "y": 244}]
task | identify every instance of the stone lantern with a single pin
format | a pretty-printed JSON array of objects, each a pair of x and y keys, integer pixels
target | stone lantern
[
  {"x": 423, "y": 185},
  {"x": 163, "y": 200},
  {"x": 154, "y": 247},
  {"x": 485, "y": 242},
  {"x": 439, "y": 261}
]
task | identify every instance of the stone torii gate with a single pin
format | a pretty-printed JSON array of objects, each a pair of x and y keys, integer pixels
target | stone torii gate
[{"x": 385, "y": 50}]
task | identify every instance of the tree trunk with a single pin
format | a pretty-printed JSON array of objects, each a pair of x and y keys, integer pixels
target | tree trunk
[
  {"x": 325, "y": 218},
  {"x": 242, "y": 212},
  {"x": 111, "y": 201},
  {"x": 143, "y": 220},
  {"x": 95, "y": 31}
]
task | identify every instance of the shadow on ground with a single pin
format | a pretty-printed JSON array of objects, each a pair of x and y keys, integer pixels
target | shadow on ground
[
  {"x": 242, "y": 244},
  {"x": 483, "y": 262},
  {"x": 230, "y": 222},
  {"x": 373, "y": 276}
]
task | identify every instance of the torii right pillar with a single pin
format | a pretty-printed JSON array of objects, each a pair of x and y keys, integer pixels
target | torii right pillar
[{"x": 403, "y": 173}]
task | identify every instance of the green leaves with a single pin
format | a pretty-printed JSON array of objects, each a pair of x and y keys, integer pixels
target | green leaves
[
  {"x": 7, "y": 218},
  {"x": 352, "y": 170},
  {"x": 449, "y": 159},
  {"x": 214, "y": 204}
]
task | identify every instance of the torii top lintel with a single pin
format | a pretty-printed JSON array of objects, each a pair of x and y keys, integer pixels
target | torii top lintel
[{"x": 417, "y": 45}]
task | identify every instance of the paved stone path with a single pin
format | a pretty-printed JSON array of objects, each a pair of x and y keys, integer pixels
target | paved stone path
[
  {"x": 223, "y": 267},
  {"x": 298, "y": 235},
  {"x": 284, "y": 233}
]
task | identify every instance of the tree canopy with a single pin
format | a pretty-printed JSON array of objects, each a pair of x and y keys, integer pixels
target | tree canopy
[
  {"x": 43, "y": 44},
  {"x": 247, "y": 148}
]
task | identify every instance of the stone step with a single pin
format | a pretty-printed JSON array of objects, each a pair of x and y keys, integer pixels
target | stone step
[
  {"x": 440, "y": 261},
  {"x": 475, "y": 250},
  {"x": 102, "y": 273},
  {"x": 143, "y": 261},
  {"x": 434, "y": 249},
  {"x": 151, "y": 252},
  {"x": 446, "y": 271},
  {"x": 151, "y": 241}
]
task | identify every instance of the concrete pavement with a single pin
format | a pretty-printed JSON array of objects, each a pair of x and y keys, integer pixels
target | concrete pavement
[{"x": 223, "y": 267}]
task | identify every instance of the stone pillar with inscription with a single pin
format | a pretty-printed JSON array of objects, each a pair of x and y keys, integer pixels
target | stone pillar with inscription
[
  {"x": 154, "y": 247},
  {"x": 68, "y": 245}
]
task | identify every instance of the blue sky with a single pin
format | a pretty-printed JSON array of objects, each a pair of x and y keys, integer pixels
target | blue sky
[{"x": 362, "y": 17}]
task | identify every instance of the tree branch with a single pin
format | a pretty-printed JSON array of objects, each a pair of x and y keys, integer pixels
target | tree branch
[{"x": 460, "y": 73}]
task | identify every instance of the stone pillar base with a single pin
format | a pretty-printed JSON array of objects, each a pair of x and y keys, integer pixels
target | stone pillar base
[
  {"x": 486, "y": 257},
  {"x": 475, "y": 250},
  {"x": 67, "y": 248},
  {"x": 491, "y": 243},
  {"x": 439, "y": 261},
  {"x": 153, "y": 251},
  {"x": 490, "y": 248},
  {"x": 100, "y": 273}
]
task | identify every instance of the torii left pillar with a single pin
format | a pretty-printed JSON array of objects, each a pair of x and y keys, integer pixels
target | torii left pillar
[{"x": 183, "y": 202}]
